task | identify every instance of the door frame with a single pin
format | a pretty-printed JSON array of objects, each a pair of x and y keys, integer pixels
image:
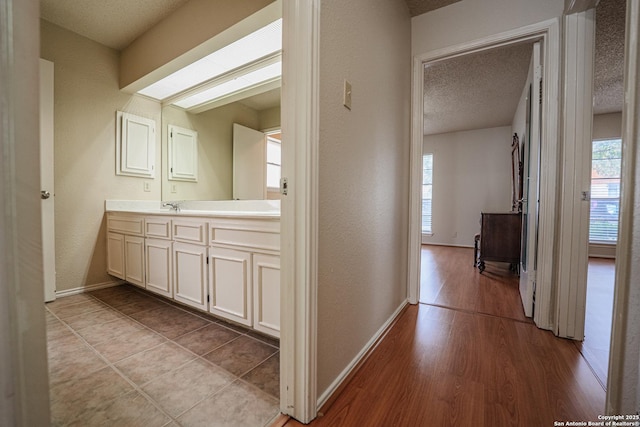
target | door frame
[
  {"x": 548, "y": 32},
  {"x": 299, "y": 209}
]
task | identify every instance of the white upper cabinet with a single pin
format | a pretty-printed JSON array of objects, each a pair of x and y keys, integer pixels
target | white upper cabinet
[
  {"x": 135, "y": 145},
  {"x": 183, "y": 154}
]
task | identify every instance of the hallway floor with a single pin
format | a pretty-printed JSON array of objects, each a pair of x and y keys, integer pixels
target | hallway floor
[
  {"x": 121, "y": 357},
  {"x": 467, "y": 357},
  {"x": 597, "y": 328}
]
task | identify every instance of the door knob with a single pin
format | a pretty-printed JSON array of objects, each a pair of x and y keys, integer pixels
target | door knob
[{"x": 44, "y": 194}]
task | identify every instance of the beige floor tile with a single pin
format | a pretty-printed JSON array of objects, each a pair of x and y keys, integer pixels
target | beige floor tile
[
  {"x": 181, "y": 389},
  {"x": 128, "y": 344},
  {"x": 170, "y": 322},
  {"x": 64, "y": 301},
  {"x": 148, "y": 303},
  {"x": 85, "y": 320},
  {"x": 70, "y": 310},
  {"x": 130, "y": 410},
  {"x": 109, "y": 331},
  {"x": 206, "y": 339},
  {"x": 266, "y": 376},
  {"x": 76, "y": 399},
  {"x": 241, "y": 355},
  {"x": 151, "y": 364},
  {"x": 236, "y": 405}
]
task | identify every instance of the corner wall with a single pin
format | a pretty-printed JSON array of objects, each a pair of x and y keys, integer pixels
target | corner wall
[
  {"x": 86, "y": 98},
  {"x": 471, "y": 174},
  {"x": 363, "y": 176}
]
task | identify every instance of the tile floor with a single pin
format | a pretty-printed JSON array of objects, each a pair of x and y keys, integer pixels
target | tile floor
[{"x": 122, "y": 357}]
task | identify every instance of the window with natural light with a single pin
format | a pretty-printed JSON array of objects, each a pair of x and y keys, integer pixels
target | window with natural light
[
  {"x": 605, "y": 190},
  {"x": 274, "y": 164},
  {"x": 427, "y": 192}
]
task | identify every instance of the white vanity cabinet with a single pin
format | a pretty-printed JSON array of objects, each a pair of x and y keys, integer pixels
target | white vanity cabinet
[
  {"x": 266, "y": 294},
  {"x": 190, "y": 261},
  {"x": 125, "y": 247},
  {"x": 244, "y": 272},
  {"x": 134, "y": 260},
  {"x": 230, "y": 284},
  {"x": 228, "y": 265}
]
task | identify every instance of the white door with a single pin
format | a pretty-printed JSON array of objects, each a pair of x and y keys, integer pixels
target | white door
[
  {"x": 266, "y": 294},
  {"x": 46, "y": 180},
  {"x": 530, "y": 198},
  {"x": 134, "y": 260},
  {"x": 249, "y": 164}
]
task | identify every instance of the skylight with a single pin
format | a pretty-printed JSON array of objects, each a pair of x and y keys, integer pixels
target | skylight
[{"x": 247, "y": 50}]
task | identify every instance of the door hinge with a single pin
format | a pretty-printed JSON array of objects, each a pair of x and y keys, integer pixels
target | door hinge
[
  {"x": 284, "y": 186},
  {"x": 208, "y": 298},
  {"x": 207, "y": 260}
]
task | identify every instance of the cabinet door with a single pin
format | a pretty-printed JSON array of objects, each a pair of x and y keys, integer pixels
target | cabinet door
[
  {"x": 134, "y": 260},
  {"x": 115, "y": 255},
  {"x": 266, "y": 294},
  {"x": 158, "y": 255},
  {"x": 190, "y": 274},
  {"x": 230, "y": 284}
]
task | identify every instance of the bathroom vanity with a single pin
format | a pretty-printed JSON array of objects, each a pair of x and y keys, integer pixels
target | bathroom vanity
[{"x": 219, "y": 257}]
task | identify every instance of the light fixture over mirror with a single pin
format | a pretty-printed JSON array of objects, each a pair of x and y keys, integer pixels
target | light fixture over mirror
[
  {"x": 238, "y": 83},
  {"x": 250, "y": 65}
]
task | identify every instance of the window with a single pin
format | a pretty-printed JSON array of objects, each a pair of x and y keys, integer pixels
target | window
[
  {"x": 605, "y": 190},
  {"x": 274, "y": 163},
  {"x": 427, "y": 192}
]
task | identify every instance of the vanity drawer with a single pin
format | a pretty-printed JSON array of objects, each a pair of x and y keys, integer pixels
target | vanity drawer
[
  {"x": 132, "y": 225},
  {"x": 157, "y": 227},
  {"x": 253, "y": 233},
  {"x": 190, "y": 230}
]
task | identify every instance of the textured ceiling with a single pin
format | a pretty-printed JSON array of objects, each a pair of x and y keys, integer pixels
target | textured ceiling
[
  {"x": 475, "y": 91},
  {"x": 608, "y": 94},
  {"x": 113, "y": 23},
  {"x": 418, "y": 7},
  {"x": 482, "y": 90}
]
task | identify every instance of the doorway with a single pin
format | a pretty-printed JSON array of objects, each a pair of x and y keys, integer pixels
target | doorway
[{"x": 547, "y": 34}]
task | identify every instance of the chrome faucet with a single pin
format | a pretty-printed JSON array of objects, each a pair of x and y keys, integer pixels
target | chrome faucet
[{"x": 174, "y": 205}]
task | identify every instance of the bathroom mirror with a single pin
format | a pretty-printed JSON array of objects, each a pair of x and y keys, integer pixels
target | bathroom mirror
[{"x": 214, "y": 129}]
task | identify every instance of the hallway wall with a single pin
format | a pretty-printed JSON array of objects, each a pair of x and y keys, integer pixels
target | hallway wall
[{"x": 363, "y": 176}]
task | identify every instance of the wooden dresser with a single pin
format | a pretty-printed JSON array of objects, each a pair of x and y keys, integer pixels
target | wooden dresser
[{"x": 500, "y": 238}]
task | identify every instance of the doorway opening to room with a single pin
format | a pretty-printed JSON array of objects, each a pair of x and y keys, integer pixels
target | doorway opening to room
[
  {"x": 606, "y": 162},
  {"x": 472, "y": 123}
]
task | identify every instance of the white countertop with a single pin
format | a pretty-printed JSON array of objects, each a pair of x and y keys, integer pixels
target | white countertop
[{"x": 217, "y": 208}]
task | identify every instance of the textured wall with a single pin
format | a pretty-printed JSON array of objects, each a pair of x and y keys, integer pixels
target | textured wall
[
  {"x": 215, "y": 150},
  {"x": 86, "y": 97},
  {"x": 471, "y": 174},
  {"x": 363, "y": 175}
]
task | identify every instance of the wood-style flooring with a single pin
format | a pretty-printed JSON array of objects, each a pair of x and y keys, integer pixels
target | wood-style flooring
[
  {"x": 597, "y": 328},
  {"x": 471, "y": 360}
]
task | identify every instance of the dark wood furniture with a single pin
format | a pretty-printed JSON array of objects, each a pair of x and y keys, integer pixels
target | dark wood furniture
[{"x": 500, "y": 239}]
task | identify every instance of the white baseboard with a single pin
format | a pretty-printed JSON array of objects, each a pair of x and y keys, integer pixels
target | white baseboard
[
  {"x": 599, "y": 250},
  {"x": 89, "y": 288},
  {"x": 447, "y": 244},
  {"x": 345, "y": 373}
]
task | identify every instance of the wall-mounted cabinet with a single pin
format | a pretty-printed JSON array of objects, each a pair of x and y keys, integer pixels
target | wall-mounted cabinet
[
  {"x": 135, "y": 145},
  {"x": 183, "y": 154}
]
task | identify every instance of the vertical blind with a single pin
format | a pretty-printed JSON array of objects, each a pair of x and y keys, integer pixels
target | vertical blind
[
  {"x": 427, "y": 192},
  {"x": 606, "y": 159}
]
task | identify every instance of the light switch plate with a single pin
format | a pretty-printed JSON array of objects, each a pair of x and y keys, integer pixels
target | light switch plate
[
  {"x": 347, "y": 94},
  {"x": 147, "y": 186}
]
